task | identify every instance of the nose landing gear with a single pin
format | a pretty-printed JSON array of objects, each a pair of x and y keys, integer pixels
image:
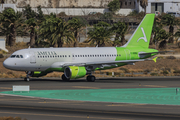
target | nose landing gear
[
  {"x": 27, "y": 79},
  {"x": 27, "y": 76}
]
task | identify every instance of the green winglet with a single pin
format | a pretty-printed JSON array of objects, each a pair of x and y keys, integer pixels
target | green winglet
[{"x": 155, "y": 59}]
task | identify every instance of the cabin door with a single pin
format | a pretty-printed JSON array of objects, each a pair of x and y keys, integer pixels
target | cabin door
[
  {"x": 128, "y": 55},
  {"x": 32, "y": 58}
]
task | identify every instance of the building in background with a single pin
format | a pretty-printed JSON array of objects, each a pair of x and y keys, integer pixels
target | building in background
[
  {"x": 74, "y": 7},
  {"x": 162, "y": 6},
  {"x": 84, "y": 7}
]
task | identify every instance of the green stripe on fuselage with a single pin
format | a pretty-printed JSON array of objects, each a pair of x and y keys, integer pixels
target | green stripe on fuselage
[{"x": 132, "y": 53}]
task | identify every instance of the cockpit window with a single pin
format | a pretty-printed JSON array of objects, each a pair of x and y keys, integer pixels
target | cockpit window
[
  {"x": 17, "y": 56},
  {"x": 13, "y": 56}
]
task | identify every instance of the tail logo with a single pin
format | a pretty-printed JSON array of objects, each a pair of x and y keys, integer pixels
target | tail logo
[{"x": 143, "y": 38}]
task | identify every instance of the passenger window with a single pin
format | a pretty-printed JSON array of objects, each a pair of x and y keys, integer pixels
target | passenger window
[
  {"x": 75, "y": 55},
  {"x": 69, "y": 56},
  {"x": 65, "y": 55},
  {"x": 21, "y": 56}
]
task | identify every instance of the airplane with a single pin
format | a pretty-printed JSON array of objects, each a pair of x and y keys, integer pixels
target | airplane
[{"x": 79, "y": 62}]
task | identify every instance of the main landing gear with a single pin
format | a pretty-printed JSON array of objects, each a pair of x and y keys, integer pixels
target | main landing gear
[
  {"x": 91, "y": 78},
  {"x": 64, "y": 78}
]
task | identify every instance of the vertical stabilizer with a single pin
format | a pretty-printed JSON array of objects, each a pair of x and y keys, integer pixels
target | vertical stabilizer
[{"x": 141, "y": 36}]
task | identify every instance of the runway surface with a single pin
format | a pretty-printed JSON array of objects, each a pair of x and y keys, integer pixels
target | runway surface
[{"x": 38, "y": 108}]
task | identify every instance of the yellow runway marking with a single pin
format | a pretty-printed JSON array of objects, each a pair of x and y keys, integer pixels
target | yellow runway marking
[
  {"x": 154, "y": 86},
  {"x": 125, "y": 105},
  {"x": 138, "y": 106},
  {"x": 6, "y": 88},
  {"x": 56, "y": 102},
  {"x": 16, "y": 99},
  {"x": 85, "y": 87},
  {"x": 85, "y": 116}
]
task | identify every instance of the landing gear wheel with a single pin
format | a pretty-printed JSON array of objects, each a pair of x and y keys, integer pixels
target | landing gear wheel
[
  {"x": 64, "y": 78},
  {"x": 91, "y": 78},
  {"x": 27, "y": 79}
]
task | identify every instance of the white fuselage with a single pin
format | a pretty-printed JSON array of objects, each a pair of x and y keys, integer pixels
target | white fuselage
[{"x": 40, "y": 59}]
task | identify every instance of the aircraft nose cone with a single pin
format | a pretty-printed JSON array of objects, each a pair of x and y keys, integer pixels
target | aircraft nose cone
[{"x": 6, "y": 64}]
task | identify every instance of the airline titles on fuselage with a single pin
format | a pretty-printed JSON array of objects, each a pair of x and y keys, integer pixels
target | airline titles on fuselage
[{"x": 45, "y": 53}]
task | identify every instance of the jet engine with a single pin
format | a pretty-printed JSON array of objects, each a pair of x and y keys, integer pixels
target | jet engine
[{"x": 73, "y": 72}]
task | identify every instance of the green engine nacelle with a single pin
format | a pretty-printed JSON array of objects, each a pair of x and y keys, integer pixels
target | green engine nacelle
[{"x": 73, "y": 72}]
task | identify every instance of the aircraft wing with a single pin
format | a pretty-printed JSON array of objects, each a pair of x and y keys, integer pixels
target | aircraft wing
[{"x": 101, "y": 62}]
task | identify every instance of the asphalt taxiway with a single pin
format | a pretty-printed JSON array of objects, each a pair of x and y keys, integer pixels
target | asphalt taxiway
[{"x": 45, "y": 109}]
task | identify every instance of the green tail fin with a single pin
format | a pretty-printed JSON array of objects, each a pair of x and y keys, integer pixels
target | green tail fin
[{"x": 141, "y": 37}]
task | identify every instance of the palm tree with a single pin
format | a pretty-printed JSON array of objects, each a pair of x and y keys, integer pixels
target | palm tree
[
  {"x": 120, "y": 29},
  {"x": 161, "y": 36},
  {"x": 31, "y": 23},
  {"x": 170, "y": 21},
  {"x": 75, "y": 26},
  {"x": 177, "y": 34},
  {"x": 144, "y": 4},
  {"x": 156, "y": 28},
  {"x": 10, "y": 22},
  {"x": 100, "y": 34},
  {"x": 55, "y": 30}
]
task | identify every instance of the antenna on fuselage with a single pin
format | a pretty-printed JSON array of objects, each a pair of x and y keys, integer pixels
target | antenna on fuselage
[
  {"x": 96, "y": 45},
  {"x": 29, "y": 47}
]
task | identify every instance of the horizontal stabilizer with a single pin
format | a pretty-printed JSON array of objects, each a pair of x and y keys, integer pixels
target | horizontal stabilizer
[{"x": 155, "y": 52}]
